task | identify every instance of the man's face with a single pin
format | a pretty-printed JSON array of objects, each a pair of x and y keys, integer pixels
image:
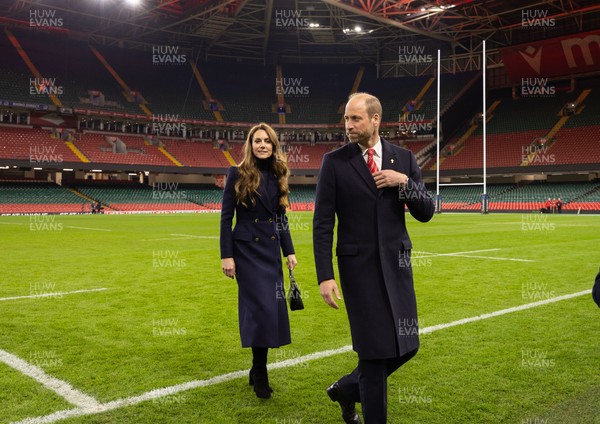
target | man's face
[{"x": 359, "y": 127}]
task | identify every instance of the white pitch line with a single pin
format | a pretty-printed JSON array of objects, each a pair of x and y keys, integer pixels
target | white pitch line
[
  {"x": 12, "y": 223},
  {"x": 33, "y": 296},
  {"x": 175, "y": 237},
  {"x": 192, "y": 236},
  {"x": 494, "y": 258},
  {"x": 167, "y": 239},
  {"x": 61, "y": 388},
  {"x": 458, "y": 253},
  {"x": 463, "y": 255},
  {"x": 87, "y": 228},
  {"x": 463, "y": 321},
  {"x": 171, "y": 390}
]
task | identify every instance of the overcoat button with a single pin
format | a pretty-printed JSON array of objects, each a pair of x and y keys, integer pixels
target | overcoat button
[
  {"x": 272, "y": 237},
  {"x": 257, "y": 239},
  {"x": 270, "y": 219},
  {"x": 256, "y": 220}
]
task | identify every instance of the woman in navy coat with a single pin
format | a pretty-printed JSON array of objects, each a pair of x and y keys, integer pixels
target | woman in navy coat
[{"x": 256, "y": 191}]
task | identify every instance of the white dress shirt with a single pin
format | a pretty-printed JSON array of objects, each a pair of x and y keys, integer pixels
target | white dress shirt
[{"x": 377, "y": 156}]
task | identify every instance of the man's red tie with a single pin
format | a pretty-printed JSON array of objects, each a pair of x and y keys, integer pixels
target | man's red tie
[{"x": 371, "y": 162}]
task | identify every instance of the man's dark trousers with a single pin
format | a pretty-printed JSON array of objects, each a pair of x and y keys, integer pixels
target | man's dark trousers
[{"x": 367, "y": 384}]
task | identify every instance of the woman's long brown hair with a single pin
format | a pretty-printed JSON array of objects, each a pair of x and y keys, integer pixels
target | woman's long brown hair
[{"x": 247, "y": 185}]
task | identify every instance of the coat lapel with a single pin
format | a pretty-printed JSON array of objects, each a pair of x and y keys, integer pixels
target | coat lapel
[
  {"x": 358, "y": 163},
  {"x": 389, "y": 160}
]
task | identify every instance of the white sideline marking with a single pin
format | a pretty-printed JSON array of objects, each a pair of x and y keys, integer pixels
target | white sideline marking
[
  {"x": 494, "y": 258},
  {"x": 175, "y": 237},
  {"x": 463, "y": 321},
  {"x": 171, "y": 390},
  {"x": 460, "y": 253},
  {"x": 86, "y": 228},
  {"x": 61, "y": 388},
  {"x": 12, "y": 223},
  {"x": 33, "y": 296},
  {"x": 192, "y": 236},
  {"x": 167, "y": 238},
  {"x": 465, "y": 255}
]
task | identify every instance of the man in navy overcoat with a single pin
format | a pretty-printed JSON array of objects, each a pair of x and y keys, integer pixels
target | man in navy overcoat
[{"x": 367, "y": 184}]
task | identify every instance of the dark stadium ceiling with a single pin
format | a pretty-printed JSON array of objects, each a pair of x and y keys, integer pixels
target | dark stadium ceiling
[{"x": 286, "y": 30}]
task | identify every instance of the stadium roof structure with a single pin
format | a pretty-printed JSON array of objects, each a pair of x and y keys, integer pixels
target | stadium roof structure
[{"x": 308, "y": 31}]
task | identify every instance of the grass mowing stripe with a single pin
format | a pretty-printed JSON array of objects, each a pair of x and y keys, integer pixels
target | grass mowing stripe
[
  {"x": 33, "y": 296},
  {"x": 61, "y": 388},
  {"x": 171, "y": 390},
  {"x": 87, "y": 228}
]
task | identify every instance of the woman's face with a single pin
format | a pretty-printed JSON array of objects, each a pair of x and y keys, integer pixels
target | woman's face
[{"x": 262, "y": 147}]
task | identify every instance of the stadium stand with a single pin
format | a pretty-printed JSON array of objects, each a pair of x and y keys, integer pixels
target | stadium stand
[
  {"x": 76, "y": 70},
  {"x": 97, "y": 149},
  {"x": 316, "y": 94},
  {"x": 534, "y": 117},
  {"x": 451, "y": 85},
  {"x": 38, "y": 197},
  {"x": 393, "y": 93},
  {"x": 521, "y": 197},
  {"x": 417, "y": 146},
  {"x": 145, "y": 73},
  {"x": 304, "y": 156},
  {"x": 503, "y": 150},
  {"x": 578, "y": 141},
  {"x": 14, "y": 75},
  {"x": 197, "y": 153},
  {"x": 136, "y": 197},
  {"x": 302, "y": 197},
  {"x": 34, "y": 145},
  {"x": 246, "y": 95}
]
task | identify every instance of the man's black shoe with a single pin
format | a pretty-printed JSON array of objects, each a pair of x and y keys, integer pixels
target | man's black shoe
[{"x": 349, "y": 413}]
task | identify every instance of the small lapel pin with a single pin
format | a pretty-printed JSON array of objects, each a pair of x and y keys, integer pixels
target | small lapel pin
[{"x": 392, "y": 160}]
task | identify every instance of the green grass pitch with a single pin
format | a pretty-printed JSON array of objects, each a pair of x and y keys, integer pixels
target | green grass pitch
[{"x": 168, "y": 316}]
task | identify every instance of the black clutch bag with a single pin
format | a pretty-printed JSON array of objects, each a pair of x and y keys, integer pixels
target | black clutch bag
[{"x": 294, "y": 295}]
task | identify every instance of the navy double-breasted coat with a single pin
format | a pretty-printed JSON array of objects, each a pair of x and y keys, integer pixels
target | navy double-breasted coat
[
  {"x": 373, "y": 246},
  {"x": 260, "y": 233}
]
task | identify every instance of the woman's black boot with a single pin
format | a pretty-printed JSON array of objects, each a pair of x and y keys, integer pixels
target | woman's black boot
[
  {"x": 261, "y": 383},
  {"x": 259, "y": 378}
]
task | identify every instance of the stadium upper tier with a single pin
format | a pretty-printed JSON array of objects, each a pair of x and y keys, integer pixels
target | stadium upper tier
[{"x": 243, "y": 92}]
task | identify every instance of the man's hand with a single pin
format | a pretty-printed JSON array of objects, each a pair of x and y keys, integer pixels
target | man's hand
[
  {"x": 389, "y": 178},
  {"x": 328, "y": 288}
]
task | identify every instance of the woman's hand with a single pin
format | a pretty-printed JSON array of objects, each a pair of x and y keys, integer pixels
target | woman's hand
[
  {"x": 228, "y": 265},
  {"x": 291, "y": 261}
]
